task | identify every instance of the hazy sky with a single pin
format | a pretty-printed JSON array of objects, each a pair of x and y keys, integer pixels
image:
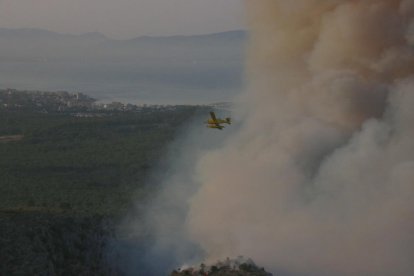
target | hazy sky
[{"x": 124, "y": 18}]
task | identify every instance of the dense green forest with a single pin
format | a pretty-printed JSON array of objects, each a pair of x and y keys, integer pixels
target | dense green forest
[
  {"x": 85, "y": 165},
  {"x": 65, "y": 180}
]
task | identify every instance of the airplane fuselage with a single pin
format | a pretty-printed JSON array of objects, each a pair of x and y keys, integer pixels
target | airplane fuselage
[
  {"x": 219, "y": 121},
  {"x": 215, "y": 126},
  {"x": 215, "y": 122}
]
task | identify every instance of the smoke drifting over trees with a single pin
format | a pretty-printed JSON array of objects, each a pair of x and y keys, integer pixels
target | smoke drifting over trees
[{"x": 319, "y": 179}]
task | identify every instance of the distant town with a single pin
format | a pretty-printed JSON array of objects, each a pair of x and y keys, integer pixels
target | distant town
[
  {"x": 75, "y": 103},
  {"x": 78, "y": 104}
]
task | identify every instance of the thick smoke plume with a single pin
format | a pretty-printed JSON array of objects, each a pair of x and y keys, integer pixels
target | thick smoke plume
[{"x": 319, "y": 180}]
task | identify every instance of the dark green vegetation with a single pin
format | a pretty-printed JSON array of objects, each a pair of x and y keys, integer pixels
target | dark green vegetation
[
  {"x": 66, "y": 177},
  {"x": 238, "y": 267},
  {"x": 83, "y": 165},
  {"x": 34, "y": 243}
]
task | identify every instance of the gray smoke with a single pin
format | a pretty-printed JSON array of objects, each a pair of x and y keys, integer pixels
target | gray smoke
[{"x": 319, "y": 179}]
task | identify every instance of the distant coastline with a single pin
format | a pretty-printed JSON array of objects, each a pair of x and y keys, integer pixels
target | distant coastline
[{"x": 196, "y": 69}]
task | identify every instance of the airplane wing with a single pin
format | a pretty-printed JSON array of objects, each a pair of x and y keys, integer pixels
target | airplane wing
[
  {"x": 213, "y": 116},
  {"x": 213, "y": 122}
]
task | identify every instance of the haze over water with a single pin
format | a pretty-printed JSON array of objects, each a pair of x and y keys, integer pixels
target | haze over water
[
  {"x": 152, "y": 70},
  {"x": 125, "y": 82}
]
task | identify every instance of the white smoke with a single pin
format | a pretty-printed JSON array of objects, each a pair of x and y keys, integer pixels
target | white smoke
[{"x": 319, "y": 180}]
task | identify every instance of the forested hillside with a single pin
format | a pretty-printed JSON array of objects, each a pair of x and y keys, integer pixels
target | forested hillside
[{"x": 66, "y": 180}]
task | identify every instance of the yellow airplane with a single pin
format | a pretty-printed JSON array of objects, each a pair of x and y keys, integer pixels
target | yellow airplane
[{"x": 214, "y": 122}]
